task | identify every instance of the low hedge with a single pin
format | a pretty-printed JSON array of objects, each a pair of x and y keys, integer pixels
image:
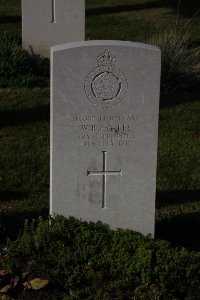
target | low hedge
[
  {"x": 21, "y": 68},
  {"x": 91, "y": 261}
]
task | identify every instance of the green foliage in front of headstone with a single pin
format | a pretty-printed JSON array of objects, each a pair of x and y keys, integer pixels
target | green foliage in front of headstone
[
  {"x": 19, "y": 67},
  {"x": 90, "y": 261}
]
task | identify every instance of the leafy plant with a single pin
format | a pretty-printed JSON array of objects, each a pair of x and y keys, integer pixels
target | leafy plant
[
  {"x": 90, "y": 261},
  {"x": 19, "y": 67}
]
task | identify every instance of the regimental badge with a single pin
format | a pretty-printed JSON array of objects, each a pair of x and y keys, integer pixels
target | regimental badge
[{"x": 106, "y": 85}]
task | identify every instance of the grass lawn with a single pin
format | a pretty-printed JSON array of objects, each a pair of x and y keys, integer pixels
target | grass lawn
[
  {"x": 136, "y": 20},
  {"x": 24, "y": 148},
  {"x": 24, "y": 125}
]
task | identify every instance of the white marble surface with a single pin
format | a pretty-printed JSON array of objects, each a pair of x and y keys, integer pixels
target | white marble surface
[
  {"x": 104, "y": 127},
  {"x": 46, "y": 23}
]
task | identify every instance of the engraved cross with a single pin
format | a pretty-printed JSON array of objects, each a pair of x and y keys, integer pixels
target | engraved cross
[
  {"x": 104, "y": 173},
  {"x": 53, "y": 18}
]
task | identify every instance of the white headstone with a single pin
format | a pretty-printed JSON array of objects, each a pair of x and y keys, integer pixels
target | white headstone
[
  {"x": 46, "y": 23},
  {"x": 104, "y": 124}
]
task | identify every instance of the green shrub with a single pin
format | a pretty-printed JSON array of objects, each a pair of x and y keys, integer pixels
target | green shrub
[
  {"x": 94, "y": 262},
  {"x": 19, "y": 67},
  {"x": 180, "y": 61}
]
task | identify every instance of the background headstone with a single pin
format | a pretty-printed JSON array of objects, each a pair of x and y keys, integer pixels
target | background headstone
[
  {"x": 104, "y": 123},
  {"x": 46, "y": 23}
]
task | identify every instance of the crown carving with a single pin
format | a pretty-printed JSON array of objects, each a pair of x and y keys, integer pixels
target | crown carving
[{"x": 106, "y": 59}]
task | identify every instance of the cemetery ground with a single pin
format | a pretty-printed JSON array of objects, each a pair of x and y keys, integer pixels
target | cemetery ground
[{"x": 159, "y": 270}]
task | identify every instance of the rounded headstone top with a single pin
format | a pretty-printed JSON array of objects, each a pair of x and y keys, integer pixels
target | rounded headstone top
[{"x": 102, "y": 43}]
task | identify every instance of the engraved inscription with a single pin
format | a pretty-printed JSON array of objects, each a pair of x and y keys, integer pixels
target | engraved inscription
[
  {"x": 123, "y": 117},
  {"x": 106, "y": 85},
  {"x": 105, "y": 130},
  {"x": 104, "y": 173}
]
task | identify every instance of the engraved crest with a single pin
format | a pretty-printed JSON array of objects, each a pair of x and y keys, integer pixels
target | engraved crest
[{"x": 106, "y": 85}]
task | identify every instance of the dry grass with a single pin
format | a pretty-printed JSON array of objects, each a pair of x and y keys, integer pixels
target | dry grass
[{"x": 180, "y": 60}]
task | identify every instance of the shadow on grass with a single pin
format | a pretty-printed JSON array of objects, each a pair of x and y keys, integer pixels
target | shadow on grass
[
  {"x": 12, "y": 224},
  {"x": 180, "y": 230},
  {"x": 10, "y": 19},
  {"x": 25, "y": 116},
  {"x": 195, "y": 43},
  {"x": 176, "y": 98},
  {"x": 120, "y": 8},
  {"x": 166, "y": 198},
  {"x": 11, "y": 195},
  {"x": 187, "y": 8}
]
